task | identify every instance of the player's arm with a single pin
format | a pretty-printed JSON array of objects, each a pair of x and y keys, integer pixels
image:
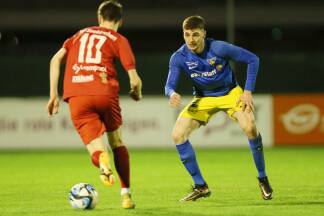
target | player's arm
[
  {"x": 135, "y": 85},
  {"x": 171, "y": 83},
  {"x": 127, "y": 59},
  {"x": 242, "y": 55},
  {"x": 55, "y": 63}
]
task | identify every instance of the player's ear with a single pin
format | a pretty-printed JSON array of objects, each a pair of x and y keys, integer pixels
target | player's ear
[
  {"x": 99, "y": 19},
  {"x": 120, "y": 23}
]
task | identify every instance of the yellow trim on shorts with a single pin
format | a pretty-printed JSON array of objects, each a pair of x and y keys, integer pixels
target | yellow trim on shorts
[{"x": 203, "y": 108}]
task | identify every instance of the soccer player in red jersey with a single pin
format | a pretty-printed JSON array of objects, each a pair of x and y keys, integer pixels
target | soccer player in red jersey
[{"x": 91, "y": 90}]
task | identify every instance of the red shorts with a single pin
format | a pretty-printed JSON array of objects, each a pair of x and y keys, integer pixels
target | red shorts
[{"x": 95, "y": 114}]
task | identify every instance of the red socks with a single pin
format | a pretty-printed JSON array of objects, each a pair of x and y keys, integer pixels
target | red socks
[
  {"x": 95, "y": 158},
  {"x": 121, "y": 159}
]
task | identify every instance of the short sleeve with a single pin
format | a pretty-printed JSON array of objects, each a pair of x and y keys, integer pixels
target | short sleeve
[{"x": 68, "y": 43}]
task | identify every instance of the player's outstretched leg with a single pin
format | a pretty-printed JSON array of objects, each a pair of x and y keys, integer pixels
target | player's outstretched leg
[
  {"x": 247, "y": 123},
  {"x": 101, "y": 160},
  {"x": 121, "y": 159},
  {"x": 106, "y": 174},
  {"x": 188, "y": 158},
  {"x": 257, "y": 152}
]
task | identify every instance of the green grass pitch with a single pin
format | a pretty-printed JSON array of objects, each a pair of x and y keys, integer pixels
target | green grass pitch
[{"x": 37, "y": 183}]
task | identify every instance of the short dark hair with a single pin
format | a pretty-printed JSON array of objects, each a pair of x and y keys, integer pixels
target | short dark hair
[
  {"x": 194, "y": 22},
  {"x": 111, "y": 10}
]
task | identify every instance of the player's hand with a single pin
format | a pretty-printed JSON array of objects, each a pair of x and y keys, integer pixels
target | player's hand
[
  {"x": 175, "y": 100},
  {"x": 136, "y": 88},
  {"x": 135, "y": 94},
  {"x": 53, "y": 105},
  {"x": 247, "y": 101}
]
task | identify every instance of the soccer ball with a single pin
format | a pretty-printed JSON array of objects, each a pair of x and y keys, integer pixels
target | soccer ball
[{"x": 83, "y": 196}]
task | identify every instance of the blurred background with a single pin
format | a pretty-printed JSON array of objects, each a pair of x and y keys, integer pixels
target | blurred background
[
  {"x": 41, "y": 157},
  {"x": 286, "y": 35}
]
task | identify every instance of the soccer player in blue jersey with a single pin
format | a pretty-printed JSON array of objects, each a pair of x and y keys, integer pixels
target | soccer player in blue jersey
[{"x": 206, "y": 62}]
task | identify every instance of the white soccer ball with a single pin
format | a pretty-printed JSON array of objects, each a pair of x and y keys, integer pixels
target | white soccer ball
[{"x": 83, "y": 196}]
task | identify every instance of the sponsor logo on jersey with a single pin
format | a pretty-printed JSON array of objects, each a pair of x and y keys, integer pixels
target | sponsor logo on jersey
[
  {"x": 99, "y": 32},
  {"x": 302, "y": 118},
  {"x": 192, "y": 65},
  {"x": 211, "y": 61},
  {"x": 82, "y": 78},
  {"x": 204, "y": 74},
  {"x": 219, "y": 67},
  {"x": 92, "y": 68}
]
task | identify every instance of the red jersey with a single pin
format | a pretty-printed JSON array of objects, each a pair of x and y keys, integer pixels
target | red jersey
[{"x": 90, "y": 67}]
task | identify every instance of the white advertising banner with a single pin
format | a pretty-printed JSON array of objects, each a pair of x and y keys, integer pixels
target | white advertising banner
[
  {"x": 147, "y": 123},
  {"x": 24, "y": 124}
]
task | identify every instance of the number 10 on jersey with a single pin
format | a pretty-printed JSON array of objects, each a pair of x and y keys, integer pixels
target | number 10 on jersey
[{"x": 87, "y": 42}]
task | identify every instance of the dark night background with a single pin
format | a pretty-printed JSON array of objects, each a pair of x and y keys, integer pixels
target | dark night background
[{"x": 286, "y": 35}]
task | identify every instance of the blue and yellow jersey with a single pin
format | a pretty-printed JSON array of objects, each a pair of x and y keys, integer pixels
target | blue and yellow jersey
[{"x": 210, "y": 70}]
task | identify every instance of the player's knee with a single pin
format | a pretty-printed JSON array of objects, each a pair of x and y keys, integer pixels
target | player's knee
[
  {"x": 115, "y": 142},
  {"x": 250, "y": 130},
  {"x": 178, "y": 138}
]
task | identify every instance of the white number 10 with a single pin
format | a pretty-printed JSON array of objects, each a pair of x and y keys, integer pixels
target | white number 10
[{"x": 89, "y": 57}]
